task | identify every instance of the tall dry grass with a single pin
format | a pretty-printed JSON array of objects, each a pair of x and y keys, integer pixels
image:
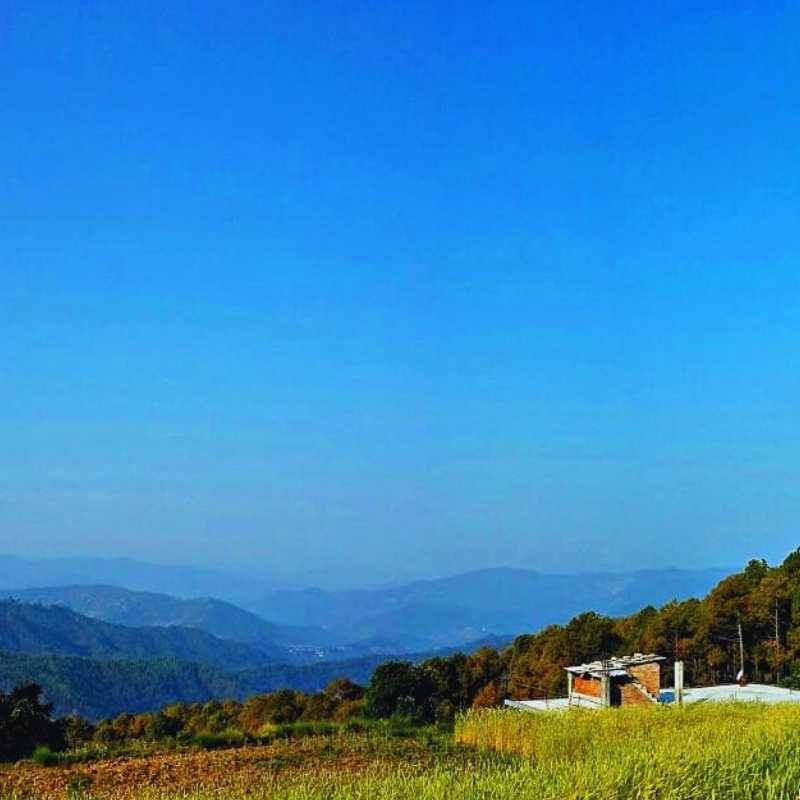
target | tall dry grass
[{"x": 703, "y": 752}]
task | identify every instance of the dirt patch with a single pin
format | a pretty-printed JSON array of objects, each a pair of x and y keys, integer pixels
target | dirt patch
[{"x": 242, "y": 770}]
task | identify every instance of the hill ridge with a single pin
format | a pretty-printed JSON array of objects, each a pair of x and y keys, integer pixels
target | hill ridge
[{"x": 34, "y": 628}]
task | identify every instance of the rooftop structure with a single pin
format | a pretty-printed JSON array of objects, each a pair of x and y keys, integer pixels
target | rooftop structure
[
  {"x": 619, "y": 681},
  {"x": 752, "y": 693},
  {"x": 617, "y": 665},
  {"x": 635, "y": 680}
]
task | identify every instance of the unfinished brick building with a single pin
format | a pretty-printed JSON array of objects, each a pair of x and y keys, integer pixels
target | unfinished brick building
[{"x": 621, "y": 681}]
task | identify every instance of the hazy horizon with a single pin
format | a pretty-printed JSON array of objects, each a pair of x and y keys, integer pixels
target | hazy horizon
[
  {"x": 272, "y": 581},
  {"x": 365, "y": 293}
]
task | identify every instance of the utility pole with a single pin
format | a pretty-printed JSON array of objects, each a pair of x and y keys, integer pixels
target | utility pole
[
  {"x": 679, "y": 682},
  {"x": 777, "y": 644},
  {"x": 605, "y": 684},
  {"x": 741, "y": 642}
]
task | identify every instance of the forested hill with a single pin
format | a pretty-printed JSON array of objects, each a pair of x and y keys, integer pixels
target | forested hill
[
  {"x": 53, "y": 630},
  {"x": 127, "y": 607},
  {"x": 97, "y": 689}
]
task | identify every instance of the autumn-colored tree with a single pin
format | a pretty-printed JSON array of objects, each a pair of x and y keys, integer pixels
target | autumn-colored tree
[
  {"x": 488, "y": 697},
  {"x": 770, "y": 608}
]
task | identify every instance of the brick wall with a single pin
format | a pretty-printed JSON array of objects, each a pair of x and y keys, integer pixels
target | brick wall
[
  {"x": 649, "y": 675},
  {"x": 590, "y": 686},
  {"x": 631, "y": 696}
]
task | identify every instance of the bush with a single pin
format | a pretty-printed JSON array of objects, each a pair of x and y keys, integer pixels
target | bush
[
  {"x": 45, "y": 757},
  {"x": 230, "y": 737},
  {"x": 791, "y": 681}
]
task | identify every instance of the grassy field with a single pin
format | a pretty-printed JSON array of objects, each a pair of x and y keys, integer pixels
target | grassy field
[{"x": 703, "y": 751}]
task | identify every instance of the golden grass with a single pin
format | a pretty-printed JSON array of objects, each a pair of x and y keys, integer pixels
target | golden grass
[
  {"x": 732, "y": 750},
  {"x": 703, "y": 752}
]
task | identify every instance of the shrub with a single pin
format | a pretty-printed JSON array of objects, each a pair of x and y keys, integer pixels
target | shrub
[
  {"x": 300, "y": 730},
  {"x": 45, "y": 757},
  {"x": 230, "y": 737}
]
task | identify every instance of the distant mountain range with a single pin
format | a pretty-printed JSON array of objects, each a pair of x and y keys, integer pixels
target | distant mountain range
[
  {"x": 276, "y": 643},
  {"x": 316, "y": 624},
  {"x": 180, "y": 581},
  {"x": 448, "y": 611}
]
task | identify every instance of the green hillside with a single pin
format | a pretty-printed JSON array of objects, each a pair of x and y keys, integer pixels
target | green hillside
[
  {"x": 52, "y": 630},
  {"x": 122, "y": 606},
  {"x": 98, "y": 689}
]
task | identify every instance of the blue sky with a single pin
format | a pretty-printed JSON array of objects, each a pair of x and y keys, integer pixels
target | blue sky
[{"x": 351, "y": 293}]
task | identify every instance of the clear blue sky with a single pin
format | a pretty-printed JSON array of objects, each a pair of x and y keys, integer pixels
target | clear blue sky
[{"x": 355, "y": 292}]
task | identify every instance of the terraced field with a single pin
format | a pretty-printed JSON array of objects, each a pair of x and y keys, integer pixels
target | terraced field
[
  {"x": 727, "y": 752},
  {"x": 263, "y": 771}
]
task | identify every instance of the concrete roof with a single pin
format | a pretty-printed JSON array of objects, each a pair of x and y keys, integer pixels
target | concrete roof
[
  {"x": 616, "y": 666},
  {"x": 753, "y": 692}
]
